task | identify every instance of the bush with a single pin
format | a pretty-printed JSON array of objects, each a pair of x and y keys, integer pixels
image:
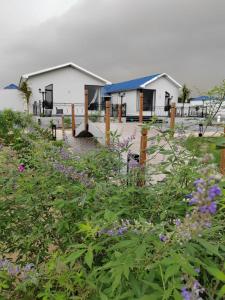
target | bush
[{"x": 73, "y": 228}]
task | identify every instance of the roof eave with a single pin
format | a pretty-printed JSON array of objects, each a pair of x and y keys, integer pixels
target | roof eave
[
  {"x": 27, "y": 76},
  {"x": 160, "y": 76}
]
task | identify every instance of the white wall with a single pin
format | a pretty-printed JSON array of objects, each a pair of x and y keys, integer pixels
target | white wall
[
  {"x": 130, "y": 99},
  {"x": 11, "y": 99},
  {"x": 161, "y": 86},
  {"x": 68, "y": 85}
]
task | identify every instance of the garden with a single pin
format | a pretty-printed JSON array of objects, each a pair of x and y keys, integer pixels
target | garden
[{"x": 80, "y": 227}]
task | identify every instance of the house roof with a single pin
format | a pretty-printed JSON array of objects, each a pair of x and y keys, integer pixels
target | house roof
[
  {"x": 138, "y": 83},
  {"x": 70, "y": 64},
  {"x": 11, "y": 86},
  {"x": 202, "y": 98}
]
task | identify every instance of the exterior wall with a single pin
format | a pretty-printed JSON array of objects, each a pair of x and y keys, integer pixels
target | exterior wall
[
  {"x": 11, "y": 99},
  {"x": 68, "y": 85},
  {"x": 130, "y": 99},
  {"x": 161, "y": 86}
]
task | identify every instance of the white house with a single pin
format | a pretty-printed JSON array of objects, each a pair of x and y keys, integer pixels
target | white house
[
  {"x": 159, "y": 90},
  {"x": 10, "y": 98},
  {"x": 54, "y": 89}
]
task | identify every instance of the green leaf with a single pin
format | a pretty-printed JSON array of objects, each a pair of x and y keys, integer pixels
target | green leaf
[
  {"x": 171, "y": 271},
  {"x": 221, "y": 292},
  {"x": 216, "y": 273},
  {"x": 210, "y": 248},
  {"x": 177, "y": 295},
  {"x": 74, "y": 256},
  {"x": 89, "y": 257},
  {"x": 103, "y": 296},
  {"x": 152, "y": 296}
]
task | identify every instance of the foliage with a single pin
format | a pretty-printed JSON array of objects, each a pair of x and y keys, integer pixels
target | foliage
[
  {"x": 73, "y": 228},
  {"x": 26, "y": 93},
  {"x": 199, "y": 146},
  {"x": 67, "y": 122},
  {"x": 185, "y": 94},
  {"x": 217, "y": 98}
]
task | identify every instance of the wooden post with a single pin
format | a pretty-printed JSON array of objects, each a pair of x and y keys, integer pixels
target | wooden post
[
  {"x": 86, "y": 110},
  {"x": 172, "y": 117},
  {"x": 119, "y": 113},
  {"x": 141, "y": 104},
  {"x": 73, "y": 121},
  {"x": 63, "y": 128},
  {"x": 107, "y": 122},
  {"x": 222, "y": 159},
  {"x": 143, "y": 155},
  {"x": 143, "y": 146}
]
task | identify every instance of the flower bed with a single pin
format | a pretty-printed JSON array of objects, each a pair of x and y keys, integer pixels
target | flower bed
[{"x": 74, "y": 227}]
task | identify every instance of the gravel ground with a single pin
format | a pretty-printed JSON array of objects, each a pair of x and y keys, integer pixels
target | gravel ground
[{"x": 79, "y": 145}]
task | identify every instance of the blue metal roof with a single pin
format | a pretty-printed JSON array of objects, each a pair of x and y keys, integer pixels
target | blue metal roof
[
  {"x": 11, "y": 86},
  {"x": 128, "y": 85},
  {"x": 202, "y": 98}
]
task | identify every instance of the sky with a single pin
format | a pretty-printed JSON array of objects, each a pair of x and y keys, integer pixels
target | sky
[{"x": 116, "y": 39}]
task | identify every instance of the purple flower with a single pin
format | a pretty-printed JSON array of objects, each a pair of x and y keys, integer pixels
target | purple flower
[
  {"x": 177, "y": 222},
  {"x": 121, "y": 230},
  {"x": 133, "y": 164},
  {"x": 21, "y": 168},
  {"x": 162, "y": 238},
  {"x": 188, "y": 196},
  {"x": 193, "y": 201},
  {"x": 28, "y": 267},
  {"x": 199, "y": 181},
  {"x": 186, "y": 295},
  {"x": 111, "y": 232},
  {"x": 214, "y": 191},
  {"x": 212, "y": 208}
]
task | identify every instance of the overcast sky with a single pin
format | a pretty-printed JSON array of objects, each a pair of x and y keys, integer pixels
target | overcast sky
[{"x": 116, "y": 39}]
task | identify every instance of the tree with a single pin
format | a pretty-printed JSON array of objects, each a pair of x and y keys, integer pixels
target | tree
[
  {"x": 26, "y": 93},
  {"x": 217, "y": 99},
  {"x": 185, "y": 94}
]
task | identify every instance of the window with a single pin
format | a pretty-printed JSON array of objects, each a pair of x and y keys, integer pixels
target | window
[
  {"x": 49, "y": 96},
  {"x": 93, "y": 96},
  {"x": 149, "y": 100},
  {"x": 167, "y": 101}
]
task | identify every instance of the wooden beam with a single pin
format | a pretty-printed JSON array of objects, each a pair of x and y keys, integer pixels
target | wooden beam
[
  {"x": 119, "y": 113},
  {"x": 86, "y": 110},
  {"x": 172, "y": 117},
  {"x": 143, "y": 147},
  {"x": 141, "y": 105},
  {"x": 107, "y": 122},
  {"x": 73, "y": 121}
]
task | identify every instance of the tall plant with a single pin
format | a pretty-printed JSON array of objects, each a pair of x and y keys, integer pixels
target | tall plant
[
  {"x": 185, "y": 94},
  {"x": 217, "y": 99},
  {"x": 26, "y": 93}
]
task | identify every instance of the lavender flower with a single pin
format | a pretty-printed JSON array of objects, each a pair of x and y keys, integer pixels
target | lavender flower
[
  {"x": 71, "y": 173},
  {"x": 124, "y": 145},
  {"x": 162, "y": 238},
  {"x": 193, "y": 290},
  {"x": 16, "y": 271},
  {"x": 21, "y": 168},
  {"x": 204, "y": 202},
  {"x": 185, "y": 294}
]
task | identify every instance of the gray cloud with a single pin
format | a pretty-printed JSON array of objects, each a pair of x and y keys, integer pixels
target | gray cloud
[{"x": 123, "y": 39}]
